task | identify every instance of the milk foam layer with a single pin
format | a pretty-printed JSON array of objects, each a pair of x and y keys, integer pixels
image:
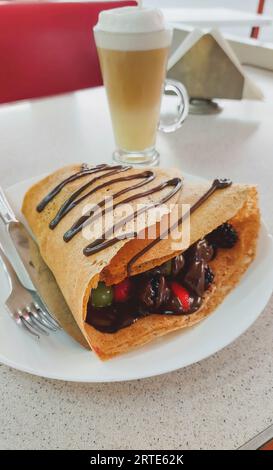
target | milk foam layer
[{"x": 132, "y": 28}]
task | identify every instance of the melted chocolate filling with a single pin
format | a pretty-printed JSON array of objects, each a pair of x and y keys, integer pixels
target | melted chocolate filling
[{"x": 152, "y": 293}]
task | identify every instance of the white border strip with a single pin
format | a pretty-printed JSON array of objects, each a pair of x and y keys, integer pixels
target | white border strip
[{"x": 258, "y": 441}]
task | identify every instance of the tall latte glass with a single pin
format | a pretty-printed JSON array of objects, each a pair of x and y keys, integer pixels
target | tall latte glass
[{"x": 133, "y": 45}]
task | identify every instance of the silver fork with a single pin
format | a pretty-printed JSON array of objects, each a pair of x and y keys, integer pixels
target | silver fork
[{"x": 23, "y": 306}]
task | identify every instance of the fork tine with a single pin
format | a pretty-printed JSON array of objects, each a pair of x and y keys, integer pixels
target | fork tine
[
  {"x": 31, "y": 321},
  {"x": 40, "y": 319},
  {"x": 21, "y": 304},
  {"x": 46, "y": 315},
  {"x": 28, "y": 328},
  {"x": 38, "y": 324},
  {"x": 21, "y": 323},
  {"x": 45, "y": 312}
]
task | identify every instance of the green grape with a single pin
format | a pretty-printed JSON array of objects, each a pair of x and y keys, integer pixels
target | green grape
[{"x": 102, "y": 295}]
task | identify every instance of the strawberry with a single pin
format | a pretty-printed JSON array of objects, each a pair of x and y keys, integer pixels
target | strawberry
[
  {"x": 122, "y": 290},
  {"x": 182, "y": 294}
]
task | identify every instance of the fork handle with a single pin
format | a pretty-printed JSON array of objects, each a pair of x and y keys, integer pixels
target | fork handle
[
  {"x": 6, "y": 213},
  {"x": 8, "y": 267}
]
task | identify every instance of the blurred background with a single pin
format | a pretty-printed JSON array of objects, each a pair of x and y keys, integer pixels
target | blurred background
[
  {"x": 247, "y": 7},
  {"x": 241, "y": 11}
]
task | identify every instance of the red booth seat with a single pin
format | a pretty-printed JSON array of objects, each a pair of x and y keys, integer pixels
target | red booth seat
[{"x": 48, "y": 48}]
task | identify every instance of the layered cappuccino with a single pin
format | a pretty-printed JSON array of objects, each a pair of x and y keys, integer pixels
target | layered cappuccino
[{"x": 133, "y": 46}]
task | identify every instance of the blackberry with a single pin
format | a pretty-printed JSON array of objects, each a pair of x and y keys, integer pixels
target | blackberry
[
  {"x": 224, "y": 236},
  {"x": 155, "y": 285},
  {"x": 153, "y": 292},
  {"x": 209, "y": 277}
]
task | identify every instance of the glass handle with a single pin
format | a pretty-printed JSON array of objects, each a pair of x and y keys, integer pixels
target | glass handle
[{"x": 183, "y": 107}]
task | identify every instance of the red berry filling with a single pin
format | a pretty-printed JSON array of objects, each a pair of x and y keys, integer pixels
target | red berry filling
[
  {"x": 176, "y": 287},
  {"x": 122, "y": 290},
  {"x": 182, "y": 294}
]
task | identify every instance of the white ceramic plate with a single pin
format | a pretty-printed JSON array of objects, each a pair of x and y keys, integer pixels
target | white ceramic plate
[{"x": 59, "y": 357}]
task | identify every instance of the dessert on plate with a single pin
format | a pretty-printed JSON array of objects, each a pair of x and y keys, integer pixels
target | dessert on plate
[{"x": 125, "y": 287}]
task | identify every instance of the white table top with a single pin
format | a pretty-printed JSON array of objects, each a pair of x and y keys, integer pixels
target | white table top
[
  {"x": 218, "y": 403},
  {"x": 209, "y": 17}
]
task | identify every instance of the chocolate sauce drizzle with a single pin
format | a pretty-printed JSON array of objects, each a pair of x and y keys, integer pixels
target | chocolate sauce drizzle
[
  {"x": 73, "y": 200},
  {"x": 217, "y": 184},
  {"x": 76, "y": 198},
  {"x": 147, "y": 177},
  {"x": 105, "y": 241},
  {"x": 85, "y": 170}
]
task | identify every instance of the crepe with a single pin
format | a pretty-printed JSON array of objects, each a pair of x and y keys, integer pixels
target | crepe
[
  {"x": 77, "y": 274},
  {"x": 48, "y": 288}
]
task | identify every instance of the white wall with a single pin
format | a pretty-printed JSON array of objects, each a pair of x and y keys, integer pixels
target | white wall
[{"x": 266, "y": 33}]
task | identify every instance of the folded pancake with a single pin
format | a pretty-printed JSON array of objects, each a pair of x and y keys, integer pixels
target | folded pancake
[{"x": 61, "y": 199}]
